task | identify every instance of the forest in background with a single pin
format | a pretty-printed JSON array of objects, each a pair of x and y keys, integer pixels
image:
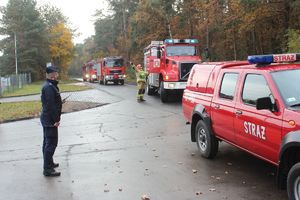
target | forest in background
[{"x": 226, "y": 29}]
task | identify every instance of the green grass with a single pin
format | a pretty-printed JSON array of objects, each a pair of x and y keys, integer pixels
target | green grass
[
  {"x": 19, "y": 110},
  {"x": 35, "y": 88}
]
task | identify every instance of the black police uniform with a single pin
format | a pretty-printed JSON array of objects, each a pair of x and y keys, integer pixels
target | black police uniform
[{"x": 51, "y": 112}]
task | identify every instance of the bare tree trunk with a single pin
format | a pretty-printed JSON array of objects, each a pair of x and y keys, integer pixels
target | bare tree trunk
[{"x": 234, "y": 46}]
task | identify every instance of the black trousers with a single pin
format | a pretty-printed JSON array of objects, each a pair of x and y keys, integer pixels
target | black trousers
[{"x": 49, "y": 145}]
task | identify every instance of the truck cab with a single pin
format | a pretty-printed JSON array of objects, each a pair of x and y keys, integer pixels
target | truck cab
[
  {"x": 169, "y": 63},
  {"x": 111, "y": 69},
  {"x": 89, "y": 71},
  {"x": 253, "y": 105}
]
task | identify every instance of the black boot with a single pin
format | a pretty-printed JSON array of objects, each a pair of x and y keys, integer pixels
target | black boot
[
  {"x": 51, "y": 172},
  {"x": 54, "y": 165}
]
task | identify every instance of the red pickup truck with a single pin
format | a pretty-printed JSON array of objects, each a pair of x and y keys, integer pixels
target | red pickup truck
[{"x": 253, "y": 105}]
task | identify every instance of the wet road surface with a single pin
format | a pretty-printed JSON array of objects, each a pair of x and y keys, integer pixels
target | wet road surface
[{"x": 123, "y": 150}]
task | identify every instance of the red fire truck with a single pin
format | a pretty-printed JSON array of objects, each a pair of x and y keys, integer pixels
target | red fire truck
[
  {"x": 89, "y": 71},
  {"x": 111, "y": 69},
  {"x": 169, "y": 63}
]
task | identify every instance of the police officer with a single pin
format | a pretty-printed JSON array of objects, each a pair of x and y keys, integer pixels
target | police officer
[
  {"x": 50, "y": 119},
  {"x": 141, "y": 76}
]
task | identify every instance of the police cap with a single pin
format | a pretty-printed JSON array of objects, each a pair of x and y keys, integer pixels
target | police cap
[{"x": 51, "y": 69}]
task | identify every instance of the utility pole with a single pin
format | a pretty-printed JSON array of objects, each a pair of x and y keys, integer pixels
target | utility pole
[{"x": 16, "y": 55}]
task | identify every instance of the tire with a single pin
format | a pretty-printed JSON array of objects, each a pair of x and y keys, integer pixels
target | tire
[
  {"x": 150, "y": 90},
  {"x": 293, "y": 182},
  {"x": 207, "y": 143},
  {"x": 163, "y": 93},
  {"x": 122, "y": 82}
]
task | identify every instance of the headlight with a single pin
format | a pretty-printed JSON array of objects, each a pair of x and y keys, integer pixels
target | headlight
[
  {"x": 87, "y": 76},
  {"x": 171, "y": 85},
  {"x": 106, "y": 76},
  {"x": 167, "y": 77},
  {"x": 93, "y": 76}
]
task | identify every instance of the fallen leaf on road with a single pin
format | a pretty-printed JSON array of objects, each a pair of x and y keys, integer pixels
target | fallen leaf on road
[
  {"x": 145, "y": 197},
  {"x": 198, "y": 193},
  {"x": 120, "y": 189},
  {"x": 180, "y": 163},
  {"x": 194, "y": 171},
  {"x": 106, "y": 190},
  {"x": 229, "y": 163},
  {"x": 218, "y": 178},
  {"x": 212, "y": 189},
  {"x": 226, "y": 172},
  {"x": 192, "y": 154}
]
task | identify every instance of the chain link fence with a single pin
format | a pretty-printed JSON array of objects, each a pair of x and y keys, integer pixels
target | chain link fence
[{"x": 12, "y": 82}]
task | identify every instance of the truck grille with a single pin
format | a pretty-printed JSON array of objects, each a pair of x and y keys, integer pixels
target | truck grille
[
  {"x": 185, "y": 69},
  {"x": 115, "y": 71}
]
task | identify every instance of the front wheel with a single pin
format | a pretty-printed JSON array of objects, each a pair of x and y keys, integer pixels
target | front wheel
[
  {"x": 150, "y": 90},
  {"x": 293, "y": 182},
  {"x": 122, "y": 82},
  {"x": 207, "y": 143},
  {"x": 163, "y": 92}
]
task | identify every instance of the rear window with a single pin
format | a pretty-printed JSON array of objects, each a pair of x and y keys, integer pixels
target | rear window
[{"x": 228, "y": 86}]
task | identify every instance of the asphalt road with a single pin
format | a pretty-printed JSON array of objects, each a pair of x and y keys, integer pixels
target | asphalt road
[{"x": 124, "y": 150}]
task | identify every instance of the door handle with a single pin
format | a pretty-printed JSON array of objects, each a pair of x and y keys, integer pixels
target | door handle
[{"x": 238, "y": 112}]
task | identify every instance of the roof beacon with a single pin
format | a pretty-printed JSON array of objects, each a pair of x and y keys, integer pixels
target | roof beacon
[{"x": 276, "y": 58}]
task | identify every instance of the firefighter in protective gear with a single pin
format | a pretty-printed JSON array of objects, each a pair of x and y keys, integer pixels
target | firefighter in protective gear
[{"x": 141, "y": 77}]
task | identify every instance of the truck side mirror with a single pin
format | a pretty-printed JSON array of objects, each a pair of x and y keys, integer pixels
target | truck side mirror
[
  {"x": 158, "y": 52},
  {"x": 265, "y": 103}
]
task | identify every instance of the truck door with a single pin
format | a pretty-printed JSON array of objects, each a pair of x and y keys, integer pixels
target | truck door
[
  {"x": 223, "y": 105},
  {"x": 258, "y": 131},
  {"x": 152, "y": 60}
]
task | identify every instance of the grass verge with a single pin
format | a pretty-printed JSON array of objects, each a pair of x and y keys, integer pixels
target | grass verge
[
  {"x": 35, "y": 88},
  {"x": 19, "y": 110},
  {"x": 30, "y": 109}
]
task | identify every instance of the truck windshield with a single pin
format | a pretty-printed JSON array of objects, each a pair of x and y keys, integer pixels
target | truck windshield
[
  {"x": 114, "y": 63},
  {"x": 181, "y": 50},
  {"x": 288, "y": 84}
]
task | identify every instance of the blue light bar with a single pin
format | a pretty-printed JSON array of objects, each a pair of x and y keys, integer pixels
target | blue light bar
[
  {"x": 260, "y": 59},
  {"x": 194, "y": 41},
  {"x": 188, "y": 41},
  {"x": 273, "y": 58},
  {"x": 169, "y": 41}
]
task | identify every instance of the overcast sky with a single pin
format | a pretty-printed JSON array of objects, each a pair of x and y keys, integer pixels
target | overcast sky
[{"x": 79, "y": 13}]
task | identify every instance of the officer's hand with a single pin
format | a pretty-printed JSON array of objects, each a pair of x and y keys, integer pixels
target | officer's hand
[{"x": 56, "y": 124}]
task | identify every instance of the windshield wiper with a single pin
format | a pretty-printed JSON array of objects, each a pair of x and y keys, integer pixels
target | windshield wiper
[
  {"x": 186, "y": 74},
  {"x": 295, "y": 105}
]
